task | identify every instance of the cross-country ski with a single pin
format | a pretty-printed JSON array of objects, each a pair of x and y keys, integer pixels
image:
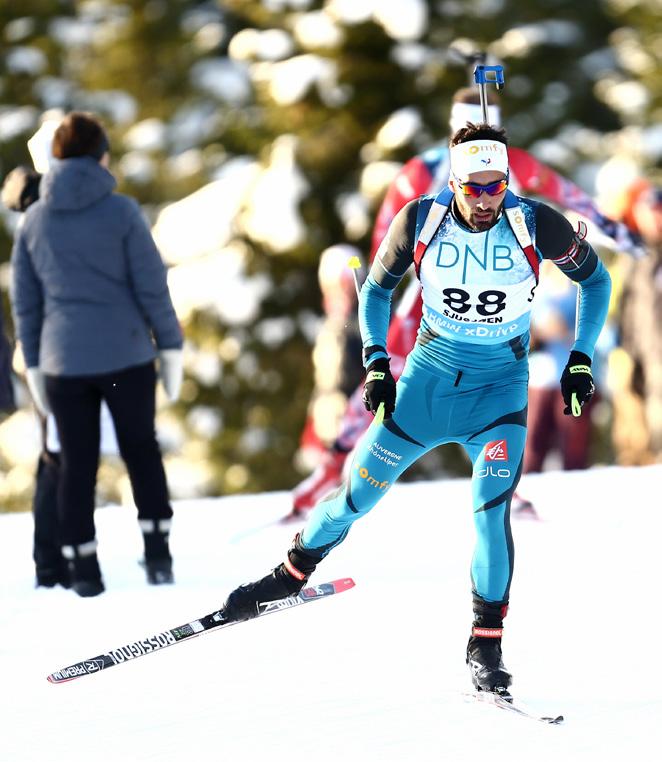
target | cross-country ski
[
  {"x": 511, "y": 704},
  {"x": 214, "y": 621}
]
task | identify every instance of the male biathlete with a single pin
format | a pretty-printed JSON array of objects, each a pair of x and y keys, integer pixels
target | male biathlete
[
  {"x": 428, "y": 173},
  {"x": 476, "y": 248}
]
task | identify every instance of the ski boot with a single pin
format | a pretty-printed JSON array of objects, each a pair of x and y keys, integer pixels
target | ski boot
[
  {"x": 286, "y": 579},
  {"x": 488, "y": 672},
  {"x": 84, "y": 569},
  {"x": 326, "y": 477},
  {"x": 158, "y": 562}
]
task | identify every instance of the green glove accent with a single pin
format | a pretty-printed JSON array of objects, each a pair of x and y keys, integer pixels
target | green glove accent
[
  {"x": 375, "y": 375},
  {"x": 575, "y": 405},
  {"x": 577, "y": 383}
]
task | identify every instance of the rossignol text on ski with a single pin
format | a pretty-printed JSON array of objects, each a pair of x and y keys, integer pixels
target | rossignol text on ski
[{"x": 212, "y": 621}]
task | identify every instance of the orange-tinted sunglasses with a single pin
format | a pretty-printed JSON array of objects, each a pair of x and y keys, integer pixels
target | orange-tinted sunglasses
[{"x": 475, "y": 190}]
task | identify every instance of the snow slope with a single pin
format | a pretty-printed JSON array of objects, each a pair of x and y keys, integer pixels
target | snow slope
[{"x": 376, "y": 673}]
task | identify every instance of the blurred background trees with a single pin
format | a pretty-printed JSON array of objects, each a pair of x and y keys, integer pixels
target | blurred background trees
[{"x": 256, "y": 133}]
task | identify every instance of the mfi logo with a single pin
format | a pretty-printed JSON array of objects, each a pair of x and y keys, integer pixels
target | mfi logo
[
  {"x": 364, "y": 474},
  {"x": 497, "y": 450}
]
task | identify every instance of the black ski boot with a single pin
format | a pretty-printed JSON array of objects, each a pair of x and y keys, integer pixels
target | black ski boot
[
  {"x": 286, "y": 579},
  {"x": 84, "y": 569},
  {"x": 158, "y": 561},
  {"x": 488, "y": 672}
]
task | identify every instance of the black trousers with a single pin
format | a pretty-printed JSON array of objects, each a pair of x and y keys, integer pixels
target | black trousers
[
  {"x": 47, "y": 552},
  {"x": 76, "y": 404}
]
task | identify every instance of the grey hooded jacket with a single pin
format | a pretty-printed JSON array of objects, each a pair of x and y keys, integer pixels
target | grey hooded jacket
[{"x": 89, "y": 290}]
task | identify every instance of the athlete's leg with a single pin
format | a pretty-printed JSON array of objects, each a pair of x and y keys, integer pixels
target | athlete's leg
[
  {"x": 496, "y": 451},
  {"x": 384, "y": 453}
]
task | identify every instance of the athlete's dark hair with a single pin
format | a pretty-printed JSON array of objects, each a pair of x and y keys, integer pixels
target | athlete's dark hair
[{"x": 480, "y": 131}]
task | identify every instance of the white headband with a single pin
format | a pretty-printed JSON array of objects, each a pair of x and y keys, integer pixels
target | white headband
[
  {"x": 461, "y": 113},
  {"x": 478, "y": 156}
]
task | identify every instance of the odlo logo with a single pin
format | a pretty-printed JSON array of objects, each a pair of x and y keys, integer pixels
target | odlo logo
[
  {"x": 364, "y": 474},
  {"x": 501, "y": 473}
]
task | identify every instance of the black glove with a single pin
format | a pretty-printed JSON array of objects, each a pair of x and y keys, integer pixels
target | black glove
[
  {"x": 379, "y": 387},
  {"x": 577, "y": 383}
]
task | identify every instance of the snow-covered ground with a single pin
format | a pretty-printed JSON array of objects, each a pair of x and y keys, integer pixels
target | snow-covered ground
[{"x": 376, "y": 673}]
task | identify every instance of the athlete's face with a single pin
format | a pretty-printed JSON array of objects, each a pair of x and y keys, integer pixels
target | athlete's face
[{"x": 477, "y": 207}]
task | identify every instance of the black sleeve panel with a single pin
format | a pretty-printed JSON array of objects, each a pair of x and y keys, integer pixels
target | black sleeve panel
[
  {"x": 396, "y": 251},
  {"x": 556, "y": 240},
  {"x": 554, "y": 234}
]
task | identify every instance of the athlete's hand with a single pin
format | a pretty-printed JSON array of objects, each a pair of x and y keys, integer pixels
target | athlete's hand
[
  {"x": 379, "y": 387},
  {"x": 577, "y": 383}
]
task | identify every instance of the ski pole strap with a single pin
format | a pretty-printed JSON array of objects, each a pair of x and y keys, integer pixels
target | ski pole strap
[{"x": 487, "y": 632}]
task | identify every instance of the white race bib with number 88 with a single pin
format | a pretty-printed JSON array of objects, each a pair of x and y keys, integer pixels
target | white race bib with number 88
[{"x": 476, "y": 286}]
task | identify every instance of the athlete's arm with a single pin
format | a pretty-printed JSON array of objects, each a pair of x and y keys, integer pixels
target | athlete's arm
[
  {"x": 535, "y": 177},
  {"x": 394, "y": 256},
  {"x": 576, "y": 258}
]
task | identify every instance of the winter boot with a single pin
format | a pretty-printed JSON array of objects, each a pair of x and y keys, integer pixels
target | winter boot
[
  {"x": 488, "y": 672},
  {"x": 48, "y": 576},
  {"x": 84, "y": 568},
  {"x": 286, "y": 579},
  {"x": 326, "y": 477},
  {"x": 158, "y": 561}
]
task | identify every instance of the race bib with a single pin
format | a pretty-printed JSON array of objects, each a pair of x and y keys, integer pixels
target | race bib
[{"x": 477, "y": 286}]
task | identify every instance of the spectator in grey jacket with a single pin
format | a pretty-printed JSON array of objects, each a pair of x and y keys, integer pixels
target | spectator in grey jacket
[{"x": 92, "y": 309}]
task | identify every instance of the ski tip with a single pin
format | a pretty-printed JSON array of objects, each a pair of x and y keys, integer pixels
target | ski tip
[
  {"x": 339, "y": 585},
  {"x": 54, "y": 679}
]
